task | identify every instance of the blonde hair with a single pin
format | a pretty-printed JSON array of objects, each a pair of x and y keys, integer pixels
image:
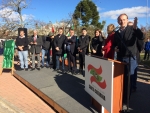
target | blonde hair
[{"x": 110, "y": 28}]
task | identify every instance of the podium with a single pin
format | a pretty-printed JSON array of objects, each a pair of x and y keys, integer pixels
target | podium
[{"x": 108, "y": 97}]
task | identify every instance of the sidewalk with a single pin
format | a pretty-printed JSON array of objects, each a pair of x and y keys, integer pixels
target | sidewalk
[{"x": 16, "y": 98}]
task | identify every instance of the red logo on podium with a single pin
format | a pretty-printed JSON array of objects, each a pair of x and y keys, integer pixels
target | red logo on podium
[{"x": 96, "y": 76}]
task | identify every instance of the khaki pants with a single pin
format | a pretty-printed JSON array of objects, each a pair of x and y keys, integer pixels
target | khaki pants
[{"x": 33, "y": 59}]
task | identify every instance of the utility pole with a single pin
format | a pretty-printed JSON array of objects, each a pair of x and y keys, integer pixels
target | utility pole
[
  {"x": 147, "y": 33},
  {"x": 147, "y": 14}
]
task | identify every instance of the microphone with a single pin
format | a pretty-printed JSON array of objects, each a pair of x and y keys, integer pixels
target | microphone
[{"x": 116, "y": 28}]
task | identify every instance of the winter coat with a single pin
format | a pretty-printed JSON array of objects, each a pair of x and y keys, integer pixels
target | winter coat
[
  {"x": 108, "y": 49},
  {"x": 147, "y": 46},
  {"x": 59, "y": 41},
  {"x": 37, "y": 48}
]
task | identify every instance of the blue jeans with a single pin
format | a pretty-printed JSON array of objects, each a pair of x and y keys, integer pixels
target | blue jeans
[
  {"x": 47, "y": 52},
  {"x": 133, "y": 65},
  {"x": 57, "y": 62},
  {"x": 134, "y": 79},
  {"x": 23, "y": 56}
]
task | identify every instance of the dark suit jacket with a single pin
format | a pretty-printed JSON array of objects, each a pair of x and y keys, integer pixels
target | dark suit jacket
[
  {"x": 22, "y": 42},
  {"x": 46, "y": 43},
  {"x": 59, "y": 42},
  {"x": 96, "y": 44},
  {"x": 37, "y": 47},
  {"x": 129, "y": 38},
  {"x": 71, "y": 42},
  {"x": 83, "y": 43}
]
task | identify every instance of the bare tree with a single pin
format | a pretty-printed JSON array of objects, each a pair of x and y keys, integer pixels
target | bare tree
[
  {"x": 15, "y": 6},
  {"x": 12, "y": 17}
]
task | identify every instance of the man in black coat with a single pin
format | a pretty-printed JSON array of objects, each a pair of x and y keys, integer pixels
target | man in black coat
[
  {"x": 36, "y": 46},
  {"x": 70, "y": 42},
  {"x": 82, "y": 48},
  {"x": 128, "y": 35},
  {"x": 46, "y": 50},
  {"x": 53, "y": 50},
  {"x": 140, "y": 46},
  {"x": 59, "y": 47}
]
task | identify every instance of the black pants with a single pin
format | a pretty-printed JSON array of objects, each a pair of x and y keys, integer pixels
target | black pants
[
  {"x": 146, "y": 55},
  {"x": 71, "y": 58},
  {"x": 134, "y": 80},
  {"x": 54, "y": 59},
  {"x": 75, "y": 60},
  {"x": 82, "y": 60},
  {"x": 125, "y": 82}
]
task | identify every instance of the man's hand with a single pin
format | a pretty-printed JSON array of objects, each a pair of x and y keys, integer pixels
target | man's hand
[
  {"x": 80, "y": 50},
  {"x": 57, "y": 48},
  {"x": 94, "y": 51},
  {"x": 116, "y": 49},
  {"x": 35, "y": 43},
  {"x": 20, "y": 48},
  {"x": 135, "y": 23},
  {"x": 103, "y": 52},
  {"x": 31, "y": 42},
  {"x": 68, "y": 37}
]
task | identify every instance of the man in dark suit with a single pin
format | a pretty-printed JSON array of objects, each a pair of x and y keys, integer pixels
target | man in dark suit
[
  {"x": 46, "y": 50},
  {"x": 82, "y": 48},
  {"x": 128, "y": 35},
  {"x": 36, "y": 46},
  {"x": 53, "y": 50},
  {"x": 70, "y": 42},
  {"x": 59, "y": 47},
  {"x": 140, "y": 45}
]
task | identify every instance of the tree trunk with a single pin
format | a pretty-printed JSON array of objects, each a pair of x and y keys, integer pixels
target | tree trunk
[{"x": 21, "y": 20}]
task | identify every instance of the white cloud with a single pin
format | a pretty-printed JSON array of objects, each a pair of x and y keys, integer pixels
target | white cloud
[
  {"x": 132, "y": 12},
  {"x": 8, "y": 13},
  {"x": 27, "y": 17},
  {"x": 99, "y": 8}
]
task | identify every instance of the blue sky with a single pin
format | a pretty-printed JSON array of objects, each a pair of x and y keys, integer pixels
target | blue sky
[{"x": 56, "y": 10}]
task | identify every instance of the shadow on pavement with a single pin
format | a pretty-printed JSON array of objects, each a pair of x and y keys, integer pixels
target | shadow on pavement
[
  {"x": 74, "y": 87},
  {"x": 140, "y": 100},
  {"x": 144, "y": 73}
]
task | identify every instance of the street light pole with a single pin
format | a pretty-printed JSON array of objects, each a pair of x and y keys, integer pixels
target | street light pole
[{"x": 147, "y": 14}]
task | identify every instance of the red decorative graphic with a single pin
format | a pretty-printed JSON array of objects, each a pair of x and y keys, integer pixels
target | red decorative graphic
[
  {"x": 101, "y": 84},
  {"x": 98, "y": 71},
  {"x": 96, "y": 76}
]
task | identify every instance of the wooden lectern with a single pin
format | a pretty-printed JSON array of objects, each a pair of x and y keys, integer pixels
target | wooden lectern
[{"x": 117, "y": 88}]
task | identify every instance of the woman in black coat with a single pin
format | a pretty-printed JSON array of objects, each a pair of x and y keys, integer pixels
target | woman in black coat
[{"x": 97, "y": 43}]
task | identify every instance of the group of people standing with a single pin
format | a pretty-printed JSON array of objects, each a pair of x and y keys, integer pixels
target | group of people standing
[
  {"x": 126, "y": 40},
  {"x": 62, "y": 44}
]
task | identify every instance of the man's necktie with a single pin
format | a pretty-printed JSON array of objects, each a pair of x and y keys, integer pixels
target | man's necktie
[{"x": 34, "y": 39}]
